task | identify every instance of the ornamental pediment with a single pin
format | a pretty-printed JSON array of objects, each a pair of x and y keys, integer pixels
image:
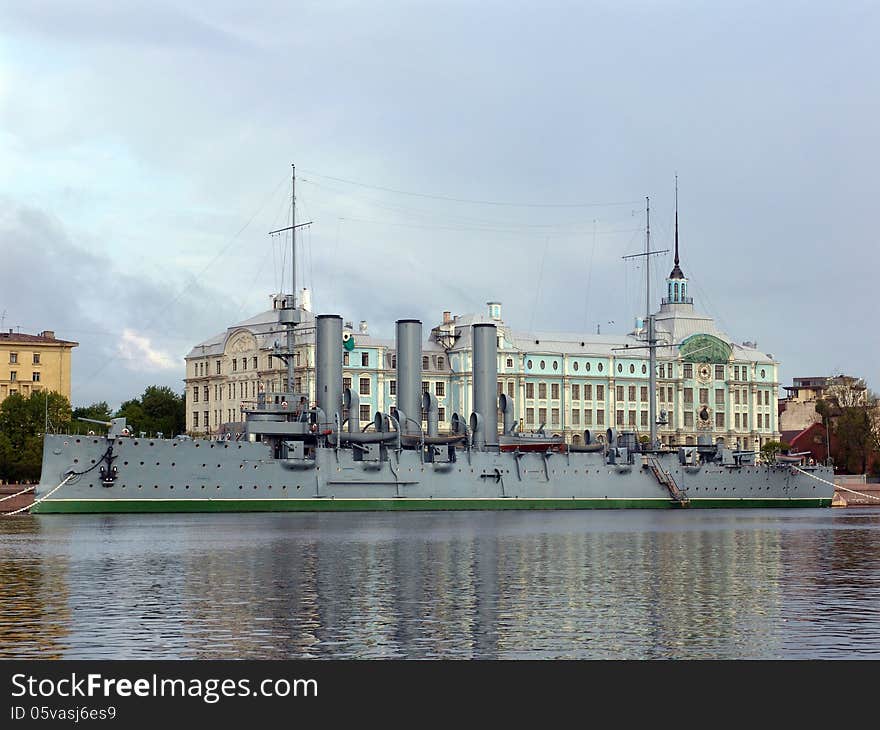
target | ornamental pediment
[{"x": 240, "y": 342}]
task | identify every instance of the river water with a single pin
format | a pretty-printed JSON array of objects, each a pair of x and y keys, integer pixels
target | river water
[{"x": 587, "y": 584}]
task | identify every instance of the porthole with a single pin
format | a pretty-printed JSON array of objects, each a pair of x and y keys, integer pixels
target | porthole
[
  {"x": 763, "y": 373},
  {"x": 556, "y": 365},
  {"x": 529, "y": 364},
  {"x": 587, "y": 366},
  {"x": 543, "y": 365},
  {"x": 619, "y": 368},
  {"x": 575, "y": 366},
  {"x": 644, "y": 369},
  {"x": 600, "y": 367},
  {"x": 632, "y": 368}
]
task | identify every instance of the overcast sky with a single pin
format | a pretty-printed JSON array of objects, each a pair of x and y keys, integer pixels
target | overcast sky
[{"x": 449, "y": 154}]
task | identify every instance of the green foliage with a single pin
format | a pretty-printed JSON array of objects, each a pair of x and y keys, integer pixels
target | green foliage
[
  {"x": 98, "y": 411},
  {"x": 158, "y": 409},
  {"x": 22, "y": 423},
  {"x": 771, "y": 448}
]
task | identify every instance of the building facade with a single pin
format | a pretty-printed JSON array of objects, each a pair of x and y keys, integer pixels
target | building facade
[
  {"x": 34, "y": 363},
  {"x": 707, "y": 384}
]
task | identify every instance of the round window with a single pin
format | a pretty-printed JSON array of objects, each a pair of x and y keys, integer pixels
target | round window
[
  {"x": 543, "y": 364},
  {"x": 644, "y": 369},
  {"x": 619, "y": 368},
  {"x": 600, "y": 367},
  {"x": 529, "y": 364},
  {"x": 575, "y": 366},
  {"x": 763, "y": 373},
  {"x": 632, "y": 368},
  {"x": 556, "y": 365},
  {"x": 587, "y": 366}
]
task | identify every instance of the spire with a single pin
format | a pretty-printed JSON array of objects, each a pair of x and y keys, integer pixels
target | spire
[{"x": 676, "y": 272}]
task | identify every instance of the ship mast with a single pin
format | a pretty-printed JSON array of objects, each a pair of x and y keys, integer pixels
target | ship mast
[
  {"x": 289, "y": 315},
  {"x": 650, "y": 337}
]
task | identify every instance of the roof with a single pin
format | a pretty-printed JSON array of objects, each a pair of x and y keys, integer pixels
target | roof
[{"x": 20, "y": 338}]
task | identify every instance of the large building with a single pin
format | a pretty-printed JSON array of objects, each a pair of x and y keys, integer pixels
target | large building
[
  {"x": 31, "y": 363},
  {"x": 707, "y": 384}
]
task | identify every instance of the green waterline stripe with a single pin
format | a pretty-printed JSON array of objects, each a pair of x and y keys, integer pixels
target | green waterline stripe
[{"x": 85, "y": 506}]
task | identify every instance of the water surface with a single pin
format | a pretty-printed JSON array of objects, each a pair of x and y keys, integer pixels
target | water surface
[{"x": 585, "y": 584}]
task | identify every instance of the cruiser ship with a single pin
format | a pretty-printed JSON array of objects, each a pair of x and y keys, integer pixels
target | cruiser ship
[{"x": 296, "y": 454}]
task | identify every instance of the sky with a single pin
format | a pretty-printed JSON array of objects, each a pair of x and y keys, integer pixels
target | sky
[{"x": 448, "y": 154}]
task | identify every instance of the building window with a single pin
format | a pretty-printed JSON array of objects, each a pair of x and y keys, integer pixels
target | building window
[
  {"x": 542, "y": 416},
  {"x": 643, "y": 416},
  {"x": 631, "y": 392},
  {"x": 441, "y": 363},
  {"x": 719, "y": 372},
  {"x": 36, "y": 377},
  {"x": 575, "y": 392},
  {"x": 736, "y": 396},
  {"x": 346, "y": 383},
  {"x": 669, "y": 395},
  {"x": 510, "y": 388},
  {"x": 736, "y": 372},
  {"x": 643, "y": 394},
  {"x": 530, "y": 390},
  {"x": 576, "y": 417},
  {"x": 632, "y": 368},
  {"x": 346, "y": 360},
  {"x": 195, "y": 419},
  {"x": 575, "y": 366},
  {"x": 554, "y": 416},
  {"x": 364, "y": 386},
  {"x": 207, "y": 392},
  {"x": 234, "y": 365},
  {"x": 556, "y": 365},
  {"x": 392, "y": 387},
  {"x": 441, "y": 414},
  {"x": 704, "y": 396},
  {"x": 619, "y": 393},
  {"x": 600, "y": 367},
  {"x": 760, "y": 421},
  {"x": 662, "y": 371},
  {"x": 688, "y": 370},
  {"x": 365, "y": 359},
  {"x": 509, "y": 362},
  {"x": 588, "y": 392},
  {"x": 529, "y": 364},
  {"x": 13, "y": 358},
  {"x": 719, "y": 397},
  {"x": 745, "y": 373},
  {"x": 542, "y": 391},
  {"x": 766, "y": 397},
  {"x": 36, "y": 358},
  {"x": 440, "y": 389},
  {"x": 426, "y": 386},
  {"x": 424, "y": 363},
  {"x": 530, "y": 416},
  {"x": 600, "y": 417},
  {"x": 217, "y": 364},
  {"x": 619, "y": 367},
  {"x": 719, "y": 419},
  {"x": 364, "y": 413},
  {"x": 543, "y": 365},
  {"x": 600, "y": 392},
  {"x": 554, "y": 391},
  {"x": 587, "y": 367},
  {"x": 632, "y": 418},
  {"x": 736, "y": 421},
  {"x": 394, "y": 361},
  {"x": 588, "y": 417},
  {"x": 689, "y": 419},
  {"x": 620, "y": 418},
  {"x": 196, "y": 394},
  {"x": 499, "y": 387}
]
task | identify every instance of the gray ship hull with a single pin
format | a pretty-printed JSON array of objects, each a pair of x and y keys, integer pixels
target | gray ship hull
[{"x": 170, "y": 475}]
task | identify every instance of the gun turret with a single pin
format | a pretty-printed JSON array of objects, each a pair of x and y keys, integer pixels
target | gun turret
[{"x": 115, "y": 427}]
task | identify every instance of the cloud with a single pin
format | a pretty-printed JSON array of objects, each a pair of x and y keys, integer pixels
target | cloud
[{"x": 140, "y": 354}]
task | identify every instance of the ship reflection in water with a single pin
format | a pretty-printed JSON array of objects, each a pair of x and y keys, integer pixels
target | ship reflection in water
[{"x": 605, "y": 584}]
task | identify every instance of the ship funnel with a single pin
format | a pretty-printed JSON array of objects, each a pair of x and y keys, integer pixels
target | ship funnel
[
  {"x": 432, "y": 409},
  {"x": 409, "y": 372},
  {"x": 485, "y": 369},
  {"x": 505, "y": 405},
  {"x": 351, "y": 402},
  {"x": 328, "y": 364}
]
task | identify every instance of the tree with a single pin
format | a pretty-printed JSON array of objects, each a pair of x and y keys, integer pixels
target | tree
[
  {"x": 97, "y": 411},
  {"x": 159, "y": 409},
  {"x": 850, "y": 410},
  {"x": 22, "y": 424},
  {"x": 771, "y": 448}
]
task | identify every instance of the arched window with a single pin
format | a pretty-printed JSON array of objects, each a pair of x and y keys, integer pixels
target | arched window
[{"x": 676, "y": 292}]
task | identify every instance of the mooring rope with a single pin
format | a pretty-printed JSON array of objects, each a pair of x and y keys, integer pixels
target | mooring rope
[
  {"x": 18, "y": 494},
  {"x": 837, "y": 486},
  {"x": 45, "y": 496}
]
